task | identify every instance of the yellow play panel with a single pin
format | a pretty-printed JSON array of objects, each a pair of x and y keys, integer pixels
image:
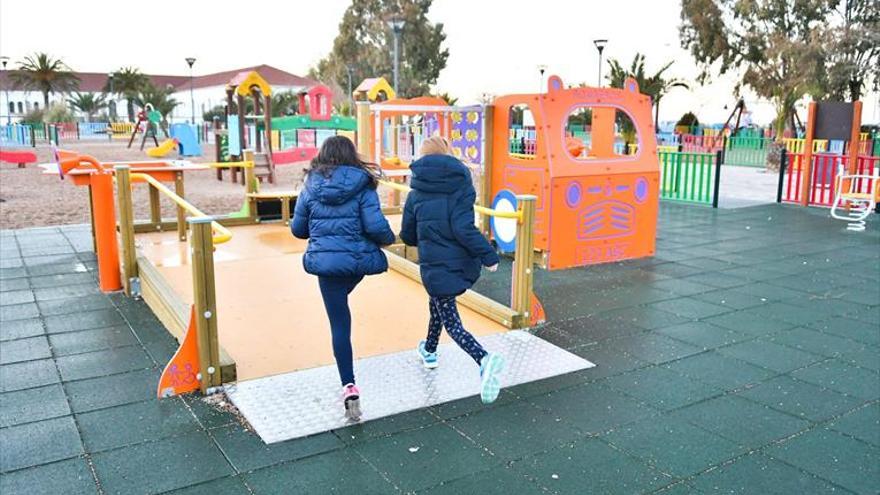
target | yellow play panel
[{"x": 271, "y": 317}]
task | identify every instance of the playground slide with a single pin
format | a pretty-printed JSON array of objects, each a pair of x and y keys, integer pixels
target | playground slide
[
  {"x": 186, "y": 138},
  {"x": 163, "y": 149}
]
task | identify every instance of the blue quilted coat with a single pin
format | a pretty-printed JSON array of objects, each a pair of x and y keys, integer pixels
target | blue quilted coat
[
  {"x": 439, "y": 219},
  {"x": 341, "y": 217}
]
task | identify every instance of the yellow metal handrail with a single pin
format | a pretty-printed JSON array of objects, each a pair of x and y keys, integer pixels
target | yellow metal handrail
[
  {"x": 481, "y": 209},
  {"x": 221, "y": 233}
]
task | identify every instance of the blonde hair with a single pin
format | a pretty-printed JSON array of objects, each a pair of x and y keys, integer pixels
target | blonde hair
[{"x": 435, "y": 145}]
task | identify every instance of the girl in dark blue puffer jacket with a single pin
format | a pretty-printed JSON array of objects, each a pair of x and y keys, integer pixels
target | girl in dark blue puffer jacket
[
  {"x": 439, "y": 219},
  {"x": 338, "y": 212}
]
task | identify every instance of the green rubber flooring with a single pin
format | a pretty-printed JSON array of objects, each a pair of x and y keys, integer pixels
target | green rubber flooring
[{"x": 743, "y": 358}]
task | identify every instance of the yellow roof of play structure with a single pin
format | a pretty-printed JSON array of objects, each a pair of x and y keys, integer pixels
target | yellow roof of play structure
[
  {"x": 244, "y": 81},
  {"x": 370, "y": 88}
]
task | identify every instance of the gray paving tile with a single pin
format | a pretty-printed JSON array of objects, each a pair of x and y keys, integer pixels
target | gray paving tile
[
  {"x": 113, "y": 390},
  {"x": 9, "y": 298},
  {"x": 20, "y": 329},
  {"x": 863, "y": 423},
  {"x": 91, "y": 340},
  {"x": 33, "y": 404},
  {"x": 38, "y": 443},
  {"x": 103, "y": 363},
  {"x": 28, "y": 349},
  {"x": 70, "y": 477},
  {"x": 766, "y": 354},
  {"x": 842, "y": 377},
  {"x": 28, "y": 374},
  {"x": 321, "y": 474},
  {"x": 18, "y": 312},
  {"x": 757, "y": 473},
  {"x": 801, "y": 399},
  {"x": 247, "y": 452},
  {"x": 85, "y": 320},
  {"x": 134, "y": 423},
  {"x": 720, "y": 371}
]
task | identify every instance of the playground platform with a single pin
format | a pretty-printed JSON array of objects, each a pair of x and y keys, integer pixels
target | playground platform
[{"x": 744, "y": 357}]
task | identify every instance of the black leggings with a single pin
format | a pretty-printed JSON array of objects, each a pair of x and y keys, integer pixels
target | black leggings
[
  {"x": 444, "y": 313},
  {"x": 335, "y": 291}
]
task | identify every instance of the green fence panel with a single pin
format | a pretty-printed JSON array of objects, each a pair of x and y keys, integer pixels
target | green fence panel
[
  {"x": 688, "y": 177},
  {"x": 747, "y": 151}
]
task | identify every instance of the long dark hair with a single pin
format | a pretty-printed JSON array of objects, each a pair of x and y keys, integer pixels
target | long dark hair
[{"x": 339, "y": 151}]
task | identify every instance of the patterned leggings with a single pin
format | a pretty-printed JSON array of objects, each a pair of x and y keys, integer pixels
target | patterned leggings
[{"x": 444, "y": 313}]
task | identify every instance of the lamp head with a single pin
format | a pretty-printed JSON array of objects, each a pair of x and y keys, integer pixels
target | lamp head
[
  {"x": 190, "y": 61},
  {"x": 600, "y": 44}
]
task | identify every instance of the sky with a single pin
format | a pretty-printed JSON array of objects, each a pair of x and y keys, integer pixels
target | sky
[{"x": 495, "y": 46}]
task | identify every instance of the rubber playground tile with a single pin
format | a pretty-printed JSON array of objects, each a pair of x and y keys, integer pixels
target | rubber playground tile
[
  {"x": 757, "y": 473},
  {"x": 756, "y": 273},
  {"x": 339, "y": 471},
  {"x": 763, "y": 290},
  {"x": 679, "y": 488},
  {"x": 66, "y": 291},
  {"x": 766, "y": 354},
  {"x": 33, "y": 404},
  {"x": 747, "y": 423},
  {"x": 103, "y": 363},
  {"x": 20, "y": 329},
  {"x": 709, "y": 264},
  {"x": 845, "y": 461},
  {"x": 460, "y": 407},
  {"x": 646, "y": 318},
  {"x": 655, "y": 348},
  {"x": 231, "y": 485},
  {"x": 162, "y": 466},
  {"x": 29, "y": 349},
  {"x": 690, "y": 308},
  {"x": 748, "y": 322},
  {"x": 514, "y": 431},
  {"x": 863, "y": 423},
  {"x": 720, "y": 371},
  {"x": 203, "y": 408},
  {"x": 824, "y": 344},
  {"x": 850, "y": 328},
  {"x": 14, "y": 272},
  {"x": 38, "y": 443},
  {"x": 68, "y": 477},
  {"x": 790, "y": 313},
  {"x": 593, "y": 409},
  {"x": 673, "y": 269},
  {"x": 29, "y": 374},
  {"x": 74, "y": 305},
  {"x": 18, "y": 312},
  {"x": 674, "y": 446},
  {"x": 661, "y": 388},
  {"x": 587, "y": 330},
  {"x": 91, "y": 340},
  {"x": 359, "y": 432},
  {"x": 131, "y": 424},
  {"x": 410, "y": 459},
  {"x": 501, "y": 480},
  {"x": 609, "y": 360},
  {"x": 719, "y": 280},
  {"x": 85, "y": 320},
  {"x": 114, "y": 390},
  {"x": 868, "y": 358},
  {"x": 247, "y": 452},
  {"x": 842, "y": 377},
  {"x": 70, "y": 264},
  {"x": 62, "y": 279},
  {"x": 590, "y": 465},
  {"x": 16, "y": 297},
  {"x": 10, "y": 284},
  {"x": 731, "y": 299},
  {"x": 704, "y": 335},
  {"x": 801, "y": 399},
  {"x": 682, "y": 287}
]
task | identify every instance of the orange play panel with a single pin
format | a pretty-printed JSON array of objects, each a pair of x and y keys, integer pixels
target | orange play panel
[{"x": 271, "y": 317}]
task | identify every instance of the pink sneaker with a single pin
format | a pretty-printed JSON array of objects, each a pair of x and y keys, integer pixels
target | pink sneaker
[{"x": 351, "y": 399}]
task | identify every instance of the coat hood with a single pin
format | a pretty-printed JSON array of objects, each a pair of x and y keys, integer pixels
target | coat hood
[
  {"x": 439, "y": 174},
  {"x": 343, "y": 183}
]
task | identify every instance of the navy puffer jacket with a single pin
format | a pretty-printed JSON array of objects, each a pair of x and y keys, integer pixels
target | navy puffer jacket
[
  {"x": 439, "y": 219},
  {"x": 341, "y": 217}
]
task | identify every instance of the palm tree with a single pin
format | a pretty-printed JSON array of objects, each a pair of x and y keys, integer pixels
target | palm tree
[
  {"x": 160, "y": 98},
  {"x": 655, "y": 86},
  {"x": 41, "y": 72},
  {"x": 284, "y": 103},
  {"x": 88, "y": 103},
  {"x": 127, "y": 82}
]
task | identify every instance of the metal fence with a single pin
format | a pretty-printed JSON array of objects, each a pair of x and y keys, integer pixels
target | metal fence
[
  {"x": 690, "y": 177},
  {"x": 823, "y": 176}
]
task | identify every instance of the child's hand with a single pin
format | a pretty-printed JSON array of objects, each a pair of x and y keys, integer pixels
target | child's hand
[{"x": 493, "y": 268}]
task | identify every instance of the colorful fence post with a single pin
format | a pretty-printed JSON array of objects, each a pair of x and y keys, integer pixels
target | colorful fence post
[
  {"x": 783, "y": 158},
  {"x": 717, "y": 186}
]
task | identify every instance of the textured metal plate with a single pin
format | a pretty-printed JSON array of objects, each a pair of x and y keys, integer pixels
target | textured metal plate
[{"x": 306, "y": 402}]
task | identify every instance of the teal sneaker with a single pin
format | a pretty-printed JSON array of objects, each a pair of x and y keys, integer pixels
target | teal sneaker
[
  {"x": 490, "y": 384},
  {"x": 429, "y": 359}
]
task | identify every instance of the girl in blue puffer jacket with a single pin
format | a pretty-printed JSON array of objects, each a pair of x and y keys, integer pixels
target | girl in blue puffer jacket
[
  {"x": 439, "y": 219},
  {"x": 338, "y": 212}
]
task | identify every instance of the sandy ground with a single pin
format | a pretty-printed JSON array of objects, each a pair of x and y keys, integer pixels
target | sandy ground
[{"x": 32, "y": 198}]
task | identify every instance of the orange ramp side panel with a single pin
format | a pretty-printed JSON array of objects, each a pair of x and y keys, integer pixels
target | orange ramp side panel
[{"x": 181, "y": 374}]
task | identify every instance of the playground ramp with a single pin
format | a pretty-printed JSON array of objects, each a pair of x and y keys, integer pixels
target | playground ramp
[{"x": 273, "y": 326}]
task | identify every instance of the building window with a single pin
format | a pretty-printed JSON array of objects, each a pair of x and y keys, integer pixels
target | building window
[
  {"x": 20, "y": 108},
  {"x": 36, "y": 106},
  {"x": 11, "y": 107}
]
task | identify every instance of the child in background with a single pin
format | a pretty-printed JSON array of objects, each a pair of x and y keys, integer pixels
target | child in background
[
  {"x": 439, "y": 219},
  {"x": 338, "y": 212}
]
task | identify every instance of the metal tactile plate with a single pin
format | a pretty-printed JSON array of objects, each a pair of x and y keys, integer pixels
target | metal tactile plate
[{"x": 306, "y": 402}]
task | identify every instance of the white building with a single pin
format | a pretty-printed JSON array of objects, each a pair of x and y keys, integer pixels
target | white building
[{"x": 208, "y": 91}]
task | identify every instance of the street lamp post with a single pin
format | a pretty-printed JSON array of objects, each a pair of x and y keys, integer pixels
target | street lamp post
[
  {"x": 4, "y": 60},
  {"x": 600, "y": 45},
  {"x": 112, "y": 103},
  {"x": 396, "y": 26},
  {"x": 192, "y": 100},
  {"x": 350, "y": 94}
]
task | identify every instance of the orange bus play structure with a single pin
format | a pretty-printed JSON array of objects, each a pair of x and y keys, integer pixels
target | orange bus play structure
[{"x": 596, "y": 204}]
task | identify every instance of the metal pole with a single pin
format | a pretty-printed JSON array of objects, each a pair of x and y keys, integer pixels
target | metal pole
[
  {"x": 192, "y": 101},
  {"x": 599, "y": 82},
  {"x": 6, "y": 89},
  {"x": 350, "y": 94},
  {"x": 783, "y": 158},
  {"x": 396, "y": 59}
]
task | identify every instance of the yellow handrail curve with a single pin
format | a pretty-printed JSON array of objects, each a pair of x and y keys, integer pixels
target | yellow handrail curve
[
  {"x": 481, "y": 209},
  {"x": 242, "y": 164},
  {"x": 221, "y": 233}
]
